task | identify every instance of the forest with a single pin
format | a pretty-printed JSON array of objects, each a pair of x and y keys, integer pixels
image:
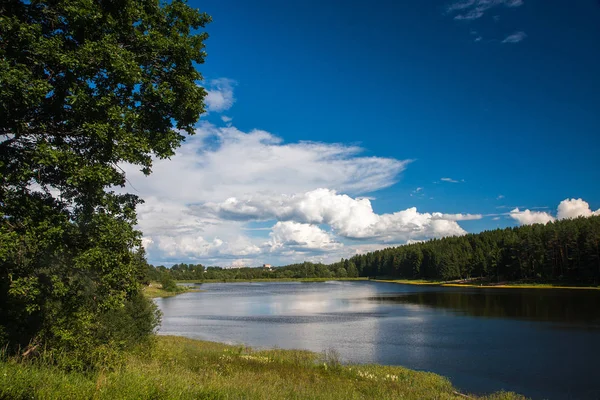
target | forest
[{"x": 566, "y": 251}]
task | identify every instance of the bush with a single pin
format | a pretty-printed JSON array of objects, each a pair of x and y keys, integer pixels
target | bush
[
  {"x": 168, "y": 283},
  {"x": 91, "y": 342}
]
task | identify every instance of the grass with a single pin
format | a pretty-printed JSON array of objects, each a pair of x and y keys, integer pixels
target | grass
[
  {"x": 155, "y": 290},
  {"x": 179, "y": 368},
  {"x": 488, "y": 284}
]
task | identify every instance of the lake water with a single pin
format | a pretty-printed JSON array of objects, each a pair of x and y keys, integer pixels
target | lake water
[{"x": 541, "y": 343}]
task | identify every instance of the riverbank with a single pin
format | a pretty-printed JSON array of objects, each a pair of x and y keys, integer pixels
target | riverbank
[
  {"x": 486, "y": 284},
  {"x": 154, "y": 290},
  {"x": 180, "y": 368},
  {"x": 271, "y": 280},
  {"x": 471, "y": 283}
]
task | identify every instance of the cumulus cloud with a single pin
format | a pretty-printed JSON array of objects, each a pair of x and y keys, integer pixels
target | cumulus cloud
[
  {"x": 204, "y": 204},
  {"x": 218, "y": 163},
  {"x": 298, "y": 236},
  {"x": 222, "y": 162},
  {"x": 348, "y": 217},
  {"x": 528, "y": 217},
  {"x": 568, "y": 208},
  {"x": 197, "y": 247},
  {"x": 573, "y": 208},
  {"x": 515, "y": 37},
  {"x": 219, "y": 95}
]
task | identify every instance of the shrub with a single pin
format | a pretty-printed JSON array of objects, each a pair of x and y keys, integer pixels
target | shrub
[{"x": 168, "y": 283}]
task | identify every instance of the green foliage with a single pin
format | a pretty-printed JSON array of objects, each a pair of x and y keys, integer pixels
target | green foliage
[
  {"x": 306, "y": 270},
  {"x": 168, "y": 283},
  {"x": 565, "y": 251},
  {"x": 86, "y": 86}
]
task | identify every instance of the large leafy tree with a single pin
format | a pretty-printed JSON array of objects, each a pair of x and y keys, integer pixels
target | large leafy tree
[{"x": 85, "y": 85}]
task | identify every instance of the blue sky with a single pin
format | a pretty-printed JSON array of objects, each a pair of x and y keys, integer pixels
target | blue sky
[{"x": 500, "y": 96}]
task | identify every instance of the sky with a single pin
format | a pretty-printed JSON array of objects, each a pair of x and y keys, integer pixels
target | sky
[{"x": 334, "y": 128}]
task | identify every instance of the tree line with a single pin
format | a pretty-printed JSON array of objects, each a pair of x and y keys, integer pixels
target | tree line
[
  {"x": 199, "y": 272},
  {"x": 566, "y": 250},
  {"x": 561, "y": 251}
]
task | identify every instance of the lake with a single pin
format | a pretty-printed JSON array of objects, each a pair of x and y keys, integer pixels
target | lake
[{"x": 543, "y": 343}]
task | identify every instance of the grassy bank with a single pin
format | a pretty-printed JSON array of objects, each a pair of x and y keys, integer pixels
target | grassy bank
[
  {"x": 155, "y": 290},
  {"x": 179, "y": 368},
  {"x": 488, "y": 284},
  {"x": 273, "y": 280}
]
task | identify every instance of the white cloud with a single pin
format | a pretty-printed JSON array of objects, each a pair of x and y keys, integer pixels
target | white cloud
[
  {"x": 218, "y": 163},
  {"x": 449, "y": 180},
  {"x": 461, "y": 5},
  {"x": 226, "y": 119},
  {"x": 568, "y": 208},
  {"x": 457, "y": 217},
  {"x": 197, "y": 247},
  {"x": 573, "y": 208},
  {"x": 298, "y": 236},
  {"x": 347, "y": 216},
  {"x": 241, "y": 263},
  {"x": 500, "y": 197},
  {"x": 475, "y": 9},
  {"x": 515, "y": 37},
  {"x": 528, "y": 217},
  {"x": 472, "y": 14},
  {"x": 418, "y": 192},
  {"x": 219, "y": 95}
]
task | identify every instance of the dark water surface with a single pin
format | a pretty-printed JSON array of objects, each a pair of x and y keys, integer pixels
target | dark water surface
[{"x": 541, "y": 343}]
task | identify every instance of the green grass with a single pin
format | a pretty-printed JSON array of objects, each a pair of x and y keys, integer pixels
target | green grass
[
  {"x": 155, "y": 290},
  {"x": 179, "y": 368}
]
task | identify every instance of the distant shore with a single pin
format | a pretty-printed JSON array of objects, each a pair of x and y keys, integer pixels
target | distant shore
[
  {"x": 154, "y": 291},
  {"x": 270, "y": 280},
  {"x": 474, "y": 283}
]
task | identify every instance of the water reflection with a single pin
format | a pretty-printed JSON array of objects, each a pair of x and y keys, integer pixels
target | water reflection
[{"x": 566, "y": 307}]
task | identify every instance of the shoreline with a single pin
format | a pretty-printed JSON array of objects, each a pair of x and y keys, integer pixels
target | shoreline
[
  {"x": 487, "y": 285},
  {"x": 176, "y": 367},
  {"x": 155, "y": 292},
  {"x": 269, "y": 280},
  {"x": 418, "y": 282}
]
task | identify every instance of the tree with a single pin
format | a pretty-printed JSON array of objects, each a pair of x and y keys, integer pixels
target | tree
[
  {"x": 351, "y": 268},
  {"x": 86, "y": 86}
]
